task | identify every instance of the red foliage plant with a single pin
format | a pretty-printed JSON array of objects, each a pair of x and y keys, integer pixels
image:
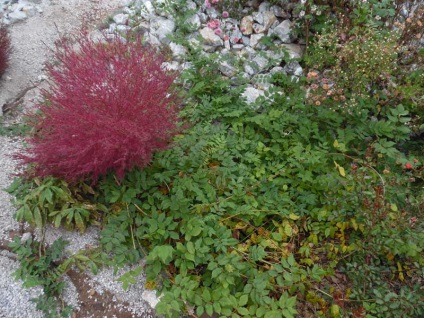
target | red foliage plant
[
  {"x": 110, "y": 105},
  {"x": 5, "y": 48}
]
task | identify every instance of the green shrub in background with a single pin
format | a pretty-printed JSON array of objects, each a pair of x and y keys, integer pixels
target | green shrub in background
[{"x": 307, "y": 204}]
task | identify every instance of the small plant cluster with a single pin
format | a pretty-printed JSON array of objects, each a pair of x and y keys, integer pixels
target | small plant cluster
[
  {"x": 285, "y": 209},
  {"x": 5, "y": 47},
  {"x": 46, "y": 267},
  {"x": 110, "y": 106}
]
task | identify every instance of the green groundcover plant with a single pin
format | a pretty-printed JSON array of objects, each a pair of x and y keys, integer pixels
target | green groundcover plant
[{"x": 308, "y": 203}]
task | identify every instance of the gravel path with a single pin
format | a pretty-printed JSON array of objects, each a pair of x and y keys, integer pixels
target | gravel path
[{"x": 31, "y": 40}]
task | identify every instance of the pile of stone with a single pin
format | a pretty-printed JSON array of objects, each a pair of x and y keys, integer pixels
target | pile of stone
[
  {"x": 215, "y": 31},
  {"x": 12, "y": 11}
]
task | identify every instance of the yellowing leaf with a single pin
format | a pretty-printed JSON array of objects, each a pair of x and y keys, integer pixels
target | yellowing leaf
[
  {"x": 288, "y": 230},
  {"x": 336, "y": 144},
  {"x": 293, "y": 216},
  {"x": 354, "y": 224},
  {"x": 335, "y": 311},
  {"x": 342, "y": 171},
  {"x": 394, "y": 207}
]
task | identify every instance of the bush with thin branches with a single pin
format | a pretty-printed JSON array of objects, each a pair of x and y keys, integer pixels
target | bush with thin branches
[
  {"x": 110, "y": 105},
  {"x": 5, "y": 47}
]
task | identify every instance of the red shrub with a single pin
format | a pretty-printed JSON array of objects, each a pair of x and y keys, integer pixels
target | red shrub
[
  {"x": 4, "y": 49},
  {"x": 110, "y": 105}
]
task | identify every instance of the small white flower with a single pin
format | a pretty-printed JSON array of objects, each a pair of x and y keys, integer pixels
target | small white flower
[
  {"x": 314, "y": 8},
  {"x": 377, "y": 17},
  {"x": 319, "y": 12},
  {"x": 302, "y": 1},
  {"x": 301, "y": 14}
]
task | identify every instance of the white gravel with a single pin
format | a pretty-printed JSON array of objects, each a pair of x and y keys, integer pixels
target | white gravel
[
  {"x": 8, "y": 146},
  {"x": 31, "y": 39},
  {"x": 14, "y": 300}
]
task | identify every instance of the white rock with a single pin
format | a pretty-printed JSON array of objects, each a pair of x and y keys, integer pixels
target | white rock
[
  {"x": 171, "y": 66},
  {"x": 210, "y": 38},
  {"x": 246, "y": 25},
  {"x": 178, "y": 51}
]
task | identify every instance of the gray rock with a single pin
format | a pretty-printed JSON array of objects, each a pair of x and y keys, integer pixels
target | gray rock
[
  {"x": 227, "y": 69},
  {"x": 178, "y": 51},
  {"x": 254, "y": 39},
  {"x": 210, "y": 38},
  {"x": 283, "y": 31},
  {"x": 279, "y": 12},
  {"x": 238, "y": 47},
  {"x": 152, "y": 39},
  {"x": 194, "y": 20},
  {"x": 16, "y": 16},
  {"x": 209, "y": 48},
  {"x": 203, "y": 17},
  {"x": 250, "y": 69},
  {"x": 251, "y": 94},
  {"x": 161, "y": 27},
  {"x": 121, "y": 18},
  {"x": 236, "y": 36},
  {"x": 261, "y": 61},
  {"x": 246, "y": 25},
  {"x": 240, "y": 79},
  {"x": 295, "y": 51},
  {"x": 264, "y": 6},
  {"x": 293, "y": 68},
  {"x": 269, "y": 19},
  {"x": 159, "y": 8},
  {"x": 277, "y": 69},
  {"x": 146, "y": 9},
  {"x": 258, "y": 17},
  {"x": 248, "y": 53},
  {"x": 258, "y": 28},
  {"x": 262, "y": 81},
  {"x": 212, "y": 13},
  {"x": 171, "y": 66},
  {"x": 246, "y": 40},
  {"x": 191, "y": 5},
  {"x": 26, "y": 236}
]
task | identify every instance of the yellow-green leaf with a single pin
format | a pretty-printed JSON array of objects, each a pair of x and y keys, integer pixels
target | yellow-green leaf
[
  {"x": 342, "y": 171},
  {"x": 293, "y": 216}
]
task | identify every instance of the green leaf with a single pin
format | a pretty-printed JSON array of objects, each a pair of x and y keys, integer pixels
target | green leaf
[
  {"x": 243, "y": 300},
  {"x": 243, "y": 311},
  {"x": 206, "y": 295},
  {"x": 209, "y": 309},
  {"x": 200, "y": 310},
  {"x": 79, "y": 222},
  {"x": 190, "y": 247},
  {"x": 163, "y": 253},
  {"x": 38, "y": 218}
]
